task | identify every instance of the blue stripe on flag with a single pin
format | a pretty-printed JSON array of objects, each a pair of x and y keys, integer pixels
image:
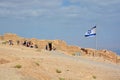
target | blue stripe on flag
[
  {"x": 90, "y": 35},
  {"x": 91, "y": 32}
]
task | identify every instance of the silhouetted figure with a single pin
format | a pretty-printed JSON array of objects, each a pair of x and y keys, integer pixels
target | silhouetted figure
[
  {"x": 18, "y": 42},
  {"x": 10, "y": 42},
  {"x": 25, "y": 43},
  {"x": 36, "y": 46},
  {"x": 54, "y": 48},
  {"x": 31, "y": 45},
  {"x": 28, "y": 44},
  {"x": 46, "y": 47},
  {"x": 50, "y": 46}
]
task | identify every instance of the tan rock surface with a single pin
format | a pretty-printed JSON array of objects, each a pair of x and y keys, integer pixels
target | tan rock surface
[
  {"x": 63, "y": 46},
  {"x": 22, "y": 63}
]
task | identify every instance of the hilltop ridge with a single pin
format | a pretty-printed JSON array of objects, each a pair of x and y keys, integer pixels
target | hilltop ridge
[
  {"x": 23, "y": 62},
  {"x": 59, "y": 45}
]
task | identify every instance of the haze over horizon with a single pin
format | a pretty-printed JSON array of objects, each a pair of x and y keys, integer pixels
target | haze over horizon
[{"x": 66, "y": 20}]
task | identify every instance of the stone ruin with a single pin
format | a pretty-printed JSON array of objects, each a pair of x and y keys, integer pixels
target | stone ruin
[
  {"x": 60, "y": 45},
  {"x": 42, "y": 44}
]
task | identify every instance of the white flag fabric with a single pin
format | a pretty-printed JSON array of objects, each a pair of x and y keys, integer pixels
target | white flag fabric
[{"x": 91, "y": 32}]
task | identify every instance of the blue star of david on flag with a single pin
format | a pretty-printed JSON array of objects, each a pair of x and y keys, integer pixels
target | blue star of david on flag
[{"x": 91, "y": 32}]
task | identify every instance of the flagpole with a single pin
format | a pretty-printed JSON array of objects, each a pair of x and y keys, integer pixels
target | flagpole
[
  {"x": 92, "y": 33},
  {"x": 96, "y": 41}
]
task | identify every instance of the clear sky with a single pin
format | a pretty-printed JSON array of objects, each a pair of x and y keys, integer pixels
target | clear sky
[{"x": 63, "y": 19}]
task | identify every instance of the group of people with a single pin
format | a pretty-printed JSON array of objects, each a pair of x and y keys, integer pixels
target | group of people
[
  {"x": 50, "y": 47},
  {"x": 24, "y": 43},
  {"x": 28, "y": 44}
]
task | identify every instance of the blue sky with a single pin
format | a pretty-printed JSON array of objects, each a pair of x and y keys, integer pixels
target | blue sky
[{"x": 63, "y": 19}]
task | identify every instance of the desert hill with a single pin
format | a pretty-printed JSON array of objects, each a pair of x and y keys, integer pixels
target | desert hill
[
  {"x": 24, "y": 63},
  {"x": 58, "y": 45},
  {"x": 59, "y": 62}
]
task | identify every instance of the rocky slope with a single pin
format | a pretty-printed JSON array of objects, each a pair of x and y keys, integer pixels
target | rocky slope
[
  {"x": 23, "y": 63},
  {"x": 60, "y": 45}
]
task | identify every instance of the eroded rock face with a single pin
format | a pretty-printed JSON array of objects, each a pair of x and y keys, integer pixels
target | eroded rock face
[
  {"x": 89, "y": 51},
  {"x": 9, "y": 36},
  {"x": 108, "y": 55},
  {"x": 56, "y": 44},
  {"x": 62, "y": 45}
]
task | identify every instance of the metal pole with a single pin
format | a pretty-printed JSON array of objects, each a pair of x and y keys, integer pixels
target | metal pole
[{"x": 96, "y": 41}]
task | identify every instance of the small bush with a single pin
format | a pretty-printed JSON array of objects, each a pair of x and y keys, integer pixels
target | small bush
[
  {"x": 37, "y": 63},
  {"x": 58, "y": 71},
  {"x": 5, "y": 42},
  {"x": 38, "y": 50},
  {"x": 73, "y": 54},
  {"x": 61, "y": 78},
  {"x": 18, "y": 66},
  {"x": 94, "y": 77}
]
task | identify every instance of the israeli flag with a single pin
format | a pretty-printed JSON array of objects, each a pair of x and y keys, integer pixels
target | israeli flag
[{"x": 91, "y": 32}]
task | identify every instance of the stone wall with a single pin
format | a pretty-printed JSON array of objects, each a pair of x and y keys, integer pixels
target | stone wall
[{"x": 57, "y": 44}]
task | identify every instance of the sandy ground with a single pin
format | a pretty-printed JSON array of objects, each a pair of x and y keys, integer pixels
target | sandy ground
[{"x": 21, "y": 63}]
